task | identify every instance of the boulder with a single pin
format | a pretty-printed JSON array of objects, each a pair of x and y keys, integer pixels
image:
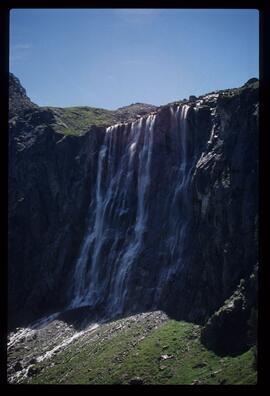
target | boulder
[
  {"x": 136, "y": 381},
  {"x": 18, "y": 366},
  {"x": 227, "y": 330}
]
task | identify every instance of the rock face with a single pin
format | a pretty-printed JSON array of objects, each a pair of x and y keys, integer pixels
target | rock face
[
  {"x": 228, "y": 330},
  {"x": 18, "y": 100},
  {"x": 160, "y": 213}
]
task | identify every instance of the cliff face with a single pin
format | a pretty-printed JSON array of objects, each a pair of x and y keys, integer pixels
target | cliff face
[{"x": 158, "y": 213}]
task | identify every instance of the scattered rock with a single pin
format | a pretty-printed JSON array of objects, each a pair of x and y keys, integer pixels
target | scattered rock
[
  {"x": 214, "y": 373},
  {"x": 192, "y": 336},
  {"x": 199, "y": 365},
  {"x": 124, "y": 377},
  {"x": 166, "y": 357},
  {"x": 136, "y": 381},
  {"x": 223, "y": 382},
  {"x": 162, "y": 367},
  {"x": 32, "y": 371},
  {"x": 196, "y": 382}
]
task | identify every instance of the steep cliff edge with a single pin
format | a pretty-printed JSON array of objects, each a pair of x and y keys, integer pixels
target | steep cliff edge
[{"x": 158, "y": 213}]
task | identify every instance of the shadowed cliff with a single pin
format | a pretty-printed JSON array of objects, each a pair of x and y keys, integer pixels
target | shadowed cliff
[{"x": 156, "y": 212}]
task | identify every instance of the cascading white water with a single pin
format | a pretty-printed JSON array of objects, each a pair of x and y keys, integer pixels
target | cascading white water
[
  {"x": 125, "y": 158},
  {"x": 177, "y": 224},
  {"x": 81, "y": 268},
  {"x": 144, "y": 176},
  {"x": 129, "y": 255}
]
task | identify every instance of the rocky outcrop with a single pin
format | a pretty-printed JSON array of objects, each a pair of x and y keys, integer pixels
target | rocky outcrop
[
  {"x": 18, "y": 100},
  {"x": 228, "y": 330},
  {"x": 134, "y": 111},
  {"x": 160, "y": 213}
]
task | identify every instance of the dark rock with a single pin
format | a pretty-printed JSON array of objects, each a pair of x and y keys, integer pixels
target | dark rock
[
  {"x": 187, "y": 260},
  {"x": 18, "y": 366},
  {"x": 223, "y": 382},
  {"x": 199, "y": 365},
  {"x": 251, "y": 81},
  {"x": 192, "y": 98},
  {"x": 32, "y": 371},
  {"x": 226, "y": 332},
  {"x": 18, "y": 100},
  {"x": 196, "y": 382},
  {"x": 136, "y": 381}
]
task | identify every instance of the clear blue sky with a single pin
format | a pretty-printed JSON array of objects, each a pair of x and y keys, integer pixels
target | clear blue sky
[{"x": 114, "y": 57}]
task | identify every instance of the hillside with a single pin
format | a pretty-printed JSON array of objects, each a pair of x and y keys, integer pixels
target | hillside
[{"x": 144, "y": 349}]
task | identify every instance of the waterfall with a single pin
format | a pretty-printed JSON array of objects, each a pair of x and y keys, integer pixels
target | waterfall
[
  {"x": 80, "y": 276},
  {"x": 129, "y": 256},
  {"x": 176, "y": 224},
  {"x": 103, "y": 269}
]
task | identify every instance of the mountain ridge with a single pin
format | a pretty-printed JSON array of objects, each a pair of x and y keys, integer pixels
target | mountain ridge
[{"x": 85, "y": 116}]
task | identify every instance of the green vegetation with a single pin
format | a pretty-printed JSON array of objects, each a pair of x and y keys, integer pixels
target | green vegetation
[
  {"x": 169, "y": 354},
  {"x": 77, "y": 120},
  {"x": 252, "y": 334}
]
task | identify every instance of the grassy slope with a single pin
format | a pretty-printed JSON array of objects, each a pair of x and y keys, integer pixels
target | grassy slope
[
  {"x": 120, "y": 359},
  {"x": 76, "y": 120}
]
